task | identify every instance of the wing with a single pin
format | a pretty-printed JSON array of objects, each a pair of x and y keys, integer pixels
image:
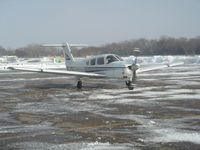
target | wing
[
  {"x": 2, "y": 68},
  {"x": 59, "y": 72},
  {"x": 158, "y": 66}
]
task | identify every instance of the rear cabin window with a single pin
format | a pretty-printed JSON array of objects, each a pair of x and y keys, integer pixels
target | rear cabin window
[
  {"x": 100, "y": 61},
  {"x": 92, "y": 62}
]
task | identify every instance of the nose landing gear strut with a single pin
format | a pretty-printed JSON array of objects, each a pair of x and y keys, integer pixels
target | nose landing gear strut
[{"x": 130, "y": 85}]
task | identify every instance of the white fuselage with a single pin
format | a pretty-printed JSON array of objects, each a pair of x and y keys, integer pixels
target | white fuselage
[{"x": 114, "y": 68}]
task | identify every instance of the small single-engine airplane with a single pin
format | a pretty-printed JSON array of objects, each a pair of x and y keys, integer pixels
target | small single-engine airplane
[{"x": 100, "y": 66}]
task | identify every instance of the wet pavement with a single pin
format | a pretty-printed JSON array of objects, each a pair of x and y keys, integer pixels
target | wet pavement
[{"x": 41, "y": 111}]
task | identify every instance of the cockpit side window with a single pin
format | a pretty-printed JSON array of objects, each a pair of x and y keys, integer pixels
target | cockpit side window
[
  {"x": 111, "y": 58},
  {"x": 92, "y": 61},
  {"x": 100, "y": 61}
]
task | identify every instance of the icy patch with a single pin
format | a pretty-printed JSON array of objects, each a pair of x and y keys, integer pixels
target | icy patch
[
  {"x": 27, "y": 128},
  {"x": 141, "y": 119},
  {"x": 57, "y": 107},
  {"x": 72, "y": 146},
  {"x": 4, "y": 94},
  {"x": 101, "y": 96},
  {"x": 4, "y": 116},
  {"x": 125, "y": 101},
  {"x": 170, "y": 135},
  {"x": 114, "y": 91},
  {"x": 185, "y": 96},
  {"x": 106, "y": 146},
  {"x": 108, "y": 96}
]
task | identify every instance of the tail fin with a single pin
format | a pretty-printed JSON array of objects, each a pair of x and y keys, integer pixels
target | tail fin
[
  {"x": 69, "y": 59},
  {"x": 68, "y": 54}
]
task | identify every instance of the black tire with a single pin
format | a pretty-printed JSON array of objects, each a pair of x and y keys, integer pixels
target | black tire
[
  {"x": 79, "y": 84},
  {"x": 130, "y": 87}
]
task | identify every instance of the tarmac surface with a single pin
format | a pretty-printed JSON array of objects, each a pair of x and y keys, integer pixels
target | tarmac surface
[{"x": 41, "y": 111}]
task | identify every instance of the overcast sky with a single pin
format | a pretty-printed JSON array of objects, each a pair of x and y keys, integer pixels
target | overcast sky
[{"x": 95, "y": 22}]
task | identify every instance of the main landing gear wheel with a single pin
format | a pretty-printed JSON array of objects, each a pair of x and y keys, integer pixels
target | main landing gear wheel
[
  {"x": 79, "y": 84},
  {"x": 129, "y": 85}
]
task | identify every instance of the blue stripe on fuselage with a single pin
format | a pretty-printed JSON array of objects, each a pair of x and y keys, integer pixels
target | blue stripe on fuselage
[{"x": 92, "y": 69}]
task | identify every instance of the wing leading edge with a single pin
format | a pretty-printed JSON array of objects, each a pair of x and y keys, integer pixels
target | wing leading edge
[
  {"x": 59, "y": 72},
  {"x": 160, "y": 66}
]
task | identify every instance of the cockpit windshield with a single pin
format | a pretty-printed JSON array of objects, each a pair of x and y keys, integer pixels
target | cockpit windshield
[
  {"x": 112, "y": 58},
  {"x": 120, "y": 59}
]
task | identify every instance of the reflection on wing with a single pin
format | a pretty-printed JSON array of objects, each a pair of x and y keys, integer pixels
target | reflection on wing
[
  {"x": 59, "y": 72},
  {"x": 158, "y": 66}
]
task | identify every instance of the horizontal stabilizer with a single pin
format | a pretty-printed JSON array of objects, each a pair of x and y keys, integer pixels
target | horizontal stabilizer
[{"x": 64, "y": 45}]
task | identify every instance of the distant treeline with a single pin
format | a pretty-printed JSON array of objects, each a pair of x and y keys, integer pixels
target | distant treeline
[
  {"x": 32, "y": 51},
  {"x": 162, "y": 46}
]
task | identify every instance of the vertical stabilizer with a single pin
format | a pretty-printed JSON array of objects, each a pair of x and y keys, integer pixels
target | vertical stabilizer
[{"x": 69, "y": 59}]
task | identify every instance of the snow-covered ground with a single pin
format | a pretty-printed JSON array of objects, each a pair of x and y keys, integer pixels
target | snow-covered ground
[{"x": 41, "y": 111}]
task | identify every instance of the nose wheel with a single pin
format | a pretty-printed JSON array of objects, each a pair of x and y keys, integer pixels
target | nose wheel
[{"x": 130, "y": 85}]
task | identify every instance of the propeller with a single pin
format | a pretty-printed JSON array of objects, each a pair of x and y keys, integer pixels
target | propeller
[{"x": 135, "y": 66}]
